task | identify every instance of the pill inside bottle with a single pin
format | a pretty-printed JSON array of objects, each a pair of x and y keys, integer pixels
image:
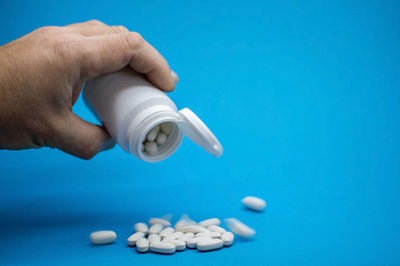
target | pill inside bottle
[{"x": 160, "y": 140}]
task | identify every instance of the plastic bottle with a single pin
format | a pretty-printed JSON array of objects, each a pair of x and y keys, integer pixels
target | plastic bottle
[{"x": 129, "y": 107}]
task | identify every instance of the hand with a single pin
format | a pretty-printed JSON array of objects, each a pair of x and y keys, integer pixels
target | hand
[{"x": 41, "y": 77}]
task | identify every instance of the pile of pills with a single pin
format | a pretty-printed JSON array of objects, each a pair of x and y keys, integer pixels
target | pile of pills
[
  {"x": 156, "y": 137},
  {"x": 159, "y": 236}
]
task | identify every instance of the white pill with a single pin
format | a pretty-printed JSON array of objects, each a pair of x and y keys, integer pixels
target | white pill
[
  {"x": 166, "y": 128},
  {"x": 102, "y": 237},
  {"x": 164, "y": 222},
  {"x": 141, "y": 227},
  {"x": 142, "y": 245},
  {"x": 209, "y": 244},
  {"x": 192, "y": 242},
  {"x": 216, "y": 228},
  {"x": 209, "y": 234},
  {"x": 162, "y": 247},
  {"x": 179, "y": 244},
  {"x": 156, "y": 228},
  {"x": 254, "y": 203},
  {"x": 191, "y": 229},
  {"x": 240, "y": 228},
  {"x": 184, "y": 220},
  {"x": 153, "y": 238},
  {"x": 152, "y": 135},
  {"x": 227, "y": 238},
  {"x": 175, "y": 235},
  {"x": 166, "y": 231},
  {"x": 151, "y": 147},
  {"x": 187, "y": 236},
  {"x": 208, "y": 222},
  {"x": 161, "y": 138},
  {"x": 135, "y": 237}
]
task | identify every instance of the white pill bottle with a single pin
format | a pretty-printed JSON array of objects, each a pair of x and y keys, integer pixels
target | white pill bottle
[{"x": 129, "y": 107}]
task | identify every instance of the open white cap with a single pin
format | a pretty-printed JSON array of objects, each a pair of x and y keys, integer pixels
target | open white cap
[{"x": 193, "y": 128}]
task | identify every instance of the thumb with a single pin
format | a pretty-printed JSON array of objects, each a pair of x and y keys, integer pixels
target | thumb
[{"x": 80, "y": 138}]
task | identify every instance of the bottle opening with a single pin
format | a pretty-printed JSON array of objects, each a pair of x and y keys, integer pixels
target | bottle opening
[{"x": 160, "y": 141}]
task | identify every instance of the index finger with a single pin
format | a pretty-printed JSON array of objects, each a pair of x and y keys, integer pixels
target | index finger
[{"x": 109, "y": 53}]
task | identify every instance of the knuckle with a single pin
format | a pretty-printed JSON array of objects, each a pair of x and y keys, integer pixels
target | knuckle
[
  {"x": 119, "y": 29},
  {"x": 133, "y": 40},
  {"x": 94, "y": 22},
  {"x": 88, "y": 150}
]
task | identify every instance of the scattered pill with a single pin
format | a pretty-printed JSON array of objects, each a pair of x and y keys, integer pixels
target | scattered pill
[
  {"x": 153, "y": 238},
  {"x": 254, "y": 203},
  {"x": 227, "y": 238},
  {"x": 152, "y": 135},
  {"x": 240, "y": 228},
  {"x": 208, "y": 222},
  {"x": 187, "y": 236},
  {"x": 153, "y": 221},
  {"x": 142, "y": 245},
  {"x": 161, "y": 139},
  {"x": 141, "y": 227},
  {"x": 162, "y": 247},
  {"x": 150, "y": 147},
  {"x": 209, "y": 244},
  {"x": 156, "y": 228},
  {"x": 166, "y": 128},
  {"x": 135, "y": 237},
  {"x": 175, "y": 235},
  {"x": 166, "y": 231},
  {"x": 216, "y": 228},
  {"x": 209, "y": 234},
  {"x": 191, "y": 229},
  {"x": 102, "y": 237}
]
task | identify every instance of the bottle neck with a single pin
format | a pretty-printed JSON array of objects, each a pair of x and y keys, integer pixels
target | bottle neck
[{"x": 156, "y": 115}]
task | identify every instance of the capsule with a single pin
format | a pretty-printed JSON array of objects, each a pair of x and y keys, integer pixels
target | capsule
[
  {"x": 162, "y": 247},
  {"x": 135, "y": 237},
  {"x": 141, "y": 227},
  {"x": 102, "y": 237},
  {"x": 216, "y": 228},
  {"x": 150, "y": 147},
  {"x": 208, "y": 222},
  {"x": 209, "y": 244},
  {"x": 153, "y": 221},
  {"x": 166, "y": 231},
  {"x": 142, "y": 245},
  {"x": 254, "y": 203},
  {"x": 161, "y": 139},
  {"x": 240, "y": 228},
  {"x": 179, "y": 244},
  {"x": 156, "y": 228},
  {"x": 153, "y": 238},
  {"x": 152, "y": 135},
  {"x": 227, "y": 238}
]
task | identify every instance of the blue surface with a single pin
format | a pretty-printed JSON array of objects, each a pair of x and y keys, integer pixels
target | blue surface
[{"x": 305, "y": 98}]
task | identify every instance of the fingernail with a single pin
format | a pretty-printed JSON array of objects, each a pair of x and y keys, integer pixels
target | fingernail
[
  {"x": 174, "y": 76},
  {"x": 108, "y": 145}
]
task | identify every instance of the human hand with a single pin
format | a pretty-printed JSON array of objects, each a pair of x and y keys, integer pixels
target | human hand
[{"x": 41, "y": 77}]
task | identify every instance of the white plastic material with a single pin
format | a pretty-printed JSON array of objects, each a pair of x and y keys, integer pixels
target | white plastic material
[{"x": 130, "y": 107}]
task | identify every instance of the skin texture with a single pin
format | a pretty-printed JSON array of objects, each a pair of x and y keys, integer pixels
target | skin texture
[{"x": 41, "y": 77}]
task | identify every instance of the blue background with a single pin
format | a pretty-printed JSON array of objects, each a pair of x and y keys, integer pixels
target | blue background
[{"x": 303, "y": 95}]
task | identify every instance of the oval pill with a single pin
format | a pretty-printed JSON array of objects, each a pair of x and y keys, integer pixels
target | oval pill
[
  {"x": 187, "y": 236},
  {"x": 179, "y": 244},
  {"x": 227, "y": 238},
  {"x": 216, "y": 228},
  {"x": 254, "y": 203},
  {"x": 102, "y": 237},
  {"x": 167, "y": 231},
  {"x": 141, "y": 227},
  {"x": 153, "y": 221},
  {"x": 135, "y": 237},
  {"x": 208, "y": 222},
  {"x": 191, "y": 229},
  {"x": 162, "y": 247},
  {"x": 156, "y": 228},
  {"x": 240, "y": 228},
  {"x": 142, "y": 245},
  {"x": 209, "y": 234},
  {"x": 150, "y": 147},
  {"x": 166, "y": 128},
  {"x": 209, "y": 244},
  {"x": 152, "y": 135},
  {"x": 153, "y": 238},
  {"x": 175, "y": 235},
  {"x": 161, "y": 139}
]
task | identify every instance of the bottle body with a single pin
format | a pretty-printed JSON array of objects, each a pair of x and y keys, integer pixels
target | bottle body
[{"x": 131, "y": 109}]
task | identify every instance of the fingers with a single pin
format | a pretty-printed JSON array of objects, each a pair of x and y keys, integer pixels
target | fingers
[
  {"x": 81, "y": 138},
  {"x": 109, "y": 53},
  {"x": 95, "y": 27}
]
